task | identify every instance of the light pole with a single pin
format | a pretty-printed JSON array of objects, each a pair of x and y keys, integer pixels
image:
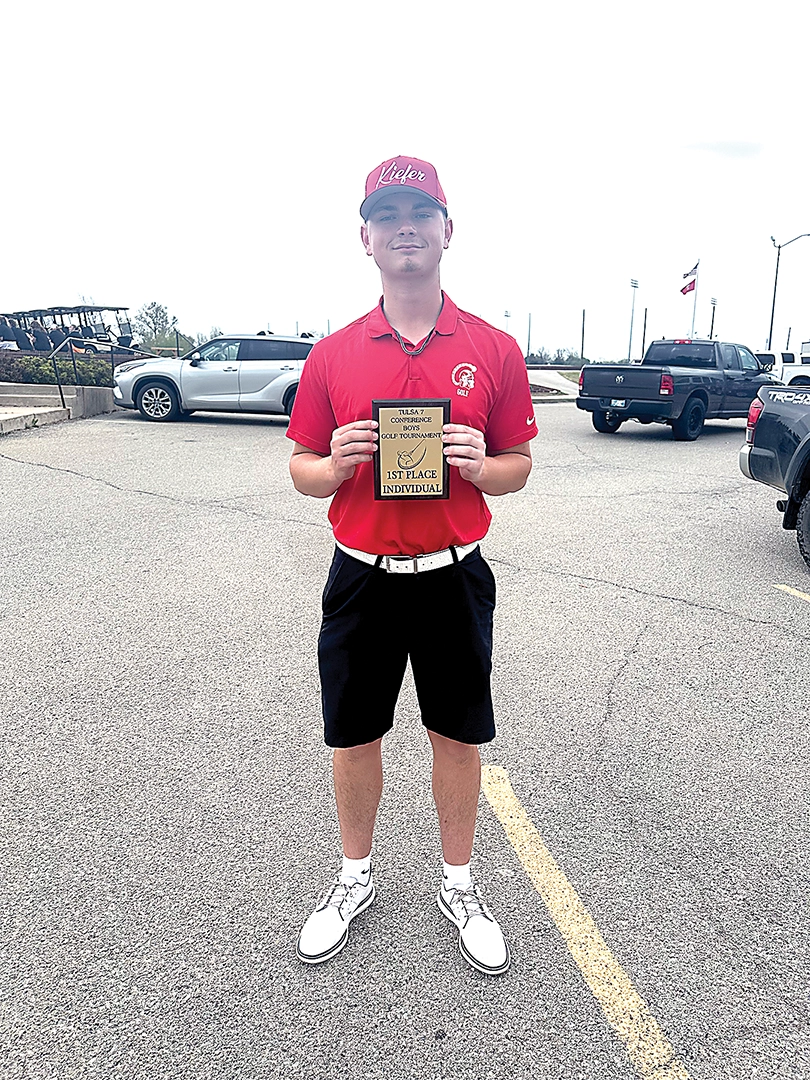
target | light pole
[
  {"x": 633, "y": 286},
  {"x": 776, "y": 277},
  {"x": 582, "y": 341},
  {"x": 714, "y": 305},
  {"x": 507, "y": 315},
  {"x": 644, "y": 333}
]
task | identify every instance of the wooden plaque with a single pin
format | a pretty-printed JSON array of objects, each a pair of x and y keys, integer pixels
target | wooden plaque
[{"x": 410, "y": 461}]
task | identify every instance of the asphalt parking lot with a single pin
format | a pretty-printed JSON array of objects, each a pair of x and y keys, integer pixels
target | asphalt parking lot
[{"x": 166, "y": 819}]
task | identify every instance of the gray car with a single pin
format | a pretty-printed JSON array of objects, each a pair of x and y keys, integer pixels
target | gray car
[{"x": 239, "y": 373}]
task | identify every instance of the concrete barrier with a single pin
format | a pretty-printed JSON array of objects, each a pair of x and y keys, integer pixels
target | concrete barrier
[{"x": 80, "y": 400}]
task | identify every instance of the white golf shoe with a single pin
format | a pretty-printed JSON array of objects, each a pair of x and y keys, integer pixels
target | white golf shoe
[
  {"x": 326, "y": 931},
  {"x": 480, "y": 938}
]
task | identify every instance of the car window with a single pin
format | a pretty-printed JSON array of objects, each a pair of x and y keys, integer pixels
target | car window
[
  {"x": 729, "y": 354},
  {"x": 680, "y": 354},
  {"x": 300, "y": 350},
  {"x": 220, "y": 350},
  {"x": 266, "y": 349},
  {"x": 749, "y": 362},
  {"x": 787, "y": 358}
]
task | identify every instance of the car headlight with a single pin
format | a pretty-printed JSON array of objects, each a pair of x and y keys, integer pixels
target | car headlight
[{"x": 130, "y": 366}]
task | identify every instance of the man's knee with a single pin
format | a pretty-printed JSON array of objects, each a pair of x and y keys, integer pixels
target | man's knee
[
  {"x": 357, "y": 756},
  {"x": 456, "y": 753}
]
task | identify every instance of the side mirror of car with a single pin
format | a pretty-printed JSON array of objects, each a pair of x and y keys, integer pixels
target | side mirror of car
[{"x": 194, "y": 360}]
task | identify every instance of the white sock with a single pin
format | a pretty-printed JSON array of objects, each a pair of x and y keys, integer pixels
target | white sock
[
  {"x": 356, "y": 870},
  {"x": 456, "y": 877}
]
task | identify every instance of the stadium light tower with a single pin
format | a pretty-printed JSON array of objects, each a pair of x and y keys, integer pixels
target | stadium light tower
[{"x": 776, "y": 278}]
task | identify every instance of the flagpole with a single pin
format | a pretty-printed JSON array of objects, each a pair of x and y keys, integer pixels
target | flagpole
[{"x": 694, "y": 305}]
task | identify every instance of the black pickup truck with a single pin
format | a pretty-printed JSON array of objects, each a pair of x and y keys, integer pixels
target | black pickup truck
[
  {"x": 777, "y": 453},
  {"x": 680, "y": 382}
]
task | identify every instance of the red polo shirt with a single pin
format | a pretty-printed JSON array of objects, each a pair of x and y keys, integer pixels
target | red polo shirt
[{"x": 479, "y": 368}]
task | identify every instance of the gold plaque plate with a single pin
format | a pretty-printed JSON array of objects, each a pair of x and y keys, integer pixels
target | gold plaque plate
[{"x": 410, "y": 463}]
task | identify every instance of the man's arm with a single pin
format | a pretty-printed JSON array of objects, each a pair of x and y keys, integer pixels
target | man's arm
[
  {"x": 495, "y": 474},
  {"x": 321, "y": 476}
]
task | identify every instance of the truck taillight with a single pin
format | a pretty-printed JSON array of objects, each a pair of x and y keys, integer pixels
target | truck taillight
[
  {"x": 667, "y": 386},
  {"x": 581, "y": 378},
  {"x": 754, "y": 411}
]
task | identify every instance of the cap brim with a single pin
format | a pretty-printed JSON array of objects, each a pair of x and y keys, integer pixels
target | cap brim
[{"x": 368, "y": 204}]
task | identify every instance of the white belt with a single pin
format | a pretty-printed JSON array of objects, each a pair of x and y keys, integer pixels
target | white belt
[{"x": 410, "y": 564}]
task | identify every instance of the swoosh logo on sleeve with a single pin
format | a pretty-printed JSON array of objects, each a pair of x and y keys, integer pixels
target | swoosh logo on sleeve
[{"x": 530, "y": 420}]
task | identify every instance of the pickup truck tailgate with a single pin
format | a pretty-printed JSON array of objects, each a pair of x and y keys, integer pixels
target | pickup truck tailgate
[{"x": 621, "y": 381}]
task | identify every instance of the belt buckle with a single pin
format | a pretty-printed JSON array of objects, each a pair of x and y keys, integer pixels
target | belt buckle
[{"x": 398, "y": 560}]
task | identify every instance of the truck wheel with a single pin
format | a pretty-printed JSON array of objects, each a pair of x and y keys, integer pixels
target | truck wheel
[
  {"x": 799, "y": 382},
  {"x": 690, "y": 423},
  {"x": 803, "y": 528},
  {"x": 157, "y": 401},
  {"x": 606, "y": 422}
]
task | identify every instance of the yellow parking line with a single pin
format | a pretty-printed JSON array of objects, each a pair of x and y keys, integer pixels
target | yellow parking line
[
  {"x": 793, "y": 592},
  {"x": 652, "y": 1055}
]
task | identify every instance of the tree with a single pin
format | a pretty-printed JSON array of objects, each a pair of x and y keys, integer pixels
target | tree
[
  {"x": 559, "y": 358},
  {"x": 157, "y": 330},
  {"x": 153, "y": 325},
  {"x": 539, "y": 356},
  {"x": 201, "y": 338}
]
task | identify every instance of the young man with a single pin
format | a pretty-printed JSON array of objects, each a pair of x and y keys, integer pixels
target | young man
[{"x": 408, "y": 579}]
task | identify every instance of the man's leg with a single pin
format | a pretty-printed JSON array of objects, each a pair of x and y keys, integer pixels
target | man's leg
[
  {"x": 357, "y": 771},
  {"x": 358, "y": 699},
  {"x": 456, "y": 783}
]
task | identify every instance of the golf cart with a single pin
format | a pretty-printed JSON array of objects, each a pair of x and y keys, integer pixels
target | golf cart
[{"x": 84, "y": 324}]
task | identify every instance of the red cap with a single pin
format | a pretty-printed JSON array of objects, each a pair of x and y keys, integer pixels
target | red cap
[{"x": 402, "y": 172}]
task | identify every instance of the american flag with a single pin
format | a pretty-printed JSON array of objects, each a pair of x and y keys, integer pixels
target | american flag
[{"x": 693, "y": 271}]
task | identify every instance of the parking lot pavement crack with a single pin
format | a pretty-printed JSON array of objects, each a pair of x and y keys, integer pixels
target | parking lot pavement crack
[
  {"x": 220, "y": 504},
  {"x": 730, "y": 1037},
  {"x": 667, "y": 493},
  {"x": 86, "y": 476},
  {"x": 649, "y": 593},
  {"x": 610, "y": 466},
  {"x": 595, "y": 464},
  {"x": 275, "y": 518},
  {"x": 608, "y": 714}
]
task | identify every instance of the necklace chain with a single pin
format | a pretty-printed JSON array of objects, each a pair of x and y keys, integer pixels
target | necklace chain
[
  {"x": 425, "y": 343},
  {"x": 414, "y": 352}
]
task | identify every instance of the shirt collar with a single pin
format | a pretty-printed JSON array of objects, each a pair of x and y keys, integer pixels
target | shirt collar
[{"x": 379, "y": 326}]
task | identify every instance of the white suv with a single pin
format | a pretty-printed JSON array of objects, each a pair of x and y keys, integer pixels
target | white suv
[{"x": 240, "y": 373}]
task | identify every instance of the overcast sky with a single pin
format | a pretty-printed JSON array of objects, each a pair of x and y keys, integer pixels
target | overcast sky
[{"x": 213, "y": 158}]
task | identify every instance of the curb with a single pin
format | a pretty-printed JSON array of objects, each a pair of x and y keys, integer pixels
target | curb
[{"x": 24, "y": 418}]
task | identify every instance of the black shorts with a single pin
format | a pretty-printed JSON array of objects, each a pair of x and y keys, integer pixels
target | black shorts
[{"x": 373, "y": 621}]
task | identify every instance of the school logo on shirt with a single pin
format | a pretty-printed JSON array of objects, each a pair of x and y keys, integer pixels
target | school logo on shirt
[{"x": 463, "y": 376}]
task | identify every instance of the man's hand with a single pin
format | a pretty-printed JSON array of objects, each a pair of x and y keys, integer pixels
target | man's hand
[
  {"x": 498, "y": 474},
  {"x": 465, "y": 448},
  {"x": 351, "y": 445}
]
